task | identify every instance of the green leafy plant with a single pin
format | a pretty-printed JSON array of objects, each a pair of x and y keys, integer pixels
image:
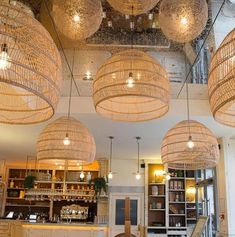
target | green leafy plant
[
  {"x": 99, "y": 184},
  {"x": 29, "y": 181}
]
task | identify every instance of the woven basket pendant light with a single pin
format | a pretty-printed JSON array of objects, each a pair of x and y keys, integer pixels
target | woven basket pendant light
[
  {"x": 131, "y": 86},
  {"x": 75, "y": 19},
  {"x": 51, "y": 147},
  {"x": 139, "y": 6},
  {"x": 183, "y": 20},
  {"x": 177, "y": 155},
  {"x": 221, "y": 82},
  {"x": 30, "y": 68}
]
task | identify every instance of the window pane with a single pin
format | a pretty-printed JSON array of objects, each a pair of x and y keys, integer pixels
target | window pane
[{"x": 120, "y": 212}]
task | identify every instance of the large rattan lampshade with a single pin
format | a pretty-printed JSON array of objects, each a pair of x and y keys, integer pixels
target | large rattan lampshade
[
  {"x": 131, "y": 86},
  {"x": 176, "y": 154},
  {"x": 221, "y": 82},
  {"x": 50, "y": 146},
  {"x": 30, "y": 68},
  {"x": 183, "y": 20},
  {"x": 139, "y": 6},
  {"x": 77, "y": 19}
]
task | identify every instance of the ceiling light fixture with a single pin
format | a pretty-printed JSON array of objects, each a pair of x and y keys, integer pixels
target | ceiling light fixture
[
  {"x": 139, "y": 6},
  {"x": 4, "y": 57},
  {"x": 110, "y": 174},
  {"x": 138, "y": 175},
  {"x": 78, "y": 143},
  {"x": 183, "y": 20},
  {"x": 221, "y": 82},
  {"x": 77, "y": 20},
  {"x": 30, "y": 68},
  {"x": 139, "y": 91}
]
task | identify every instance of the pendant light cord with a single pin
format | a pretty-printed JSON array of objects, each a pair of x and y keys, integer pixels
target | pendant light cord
[
  {"x": 138, "y": 152},
  {"x": 61, "y": 46},
  {"x": 187, "y": 99},
  {"x": 201, "y": 48},
  {"x": 71, "y": 87},
  {"x": 111, "y": 153}
]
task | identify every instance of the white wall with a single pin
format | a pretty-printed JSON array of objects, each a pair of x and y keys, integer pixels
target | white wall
[{"x": 226, "y": 189}]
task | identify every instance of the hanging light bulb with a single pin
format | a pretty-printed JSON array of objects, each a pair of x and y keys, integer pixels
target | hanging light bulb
[
  {"x": 130, "y": 81},
  {"x": 190, "y": 143},
  {"x": 82, "y": 175},
  {"x": 168, "y": 176},
  {"x": 110, "y": 175},
  {"x": 184, "y": 21},
  {"x": 138, "y": 176},
  {"x": 4, "y": 58},
  {"x": 66, "y": 140},
  {"x": 76, "y": 18}
]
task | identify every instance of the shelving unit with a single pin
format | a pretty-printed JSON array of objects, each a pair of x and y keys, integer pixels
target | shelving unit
[
  {"x": 177, "y": 196},
  {"x": 19, "y": 200}
]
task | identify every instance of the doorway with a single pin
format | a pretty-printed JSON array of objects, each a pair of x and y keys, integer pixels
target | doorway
[{"x": 206, "y": 200}]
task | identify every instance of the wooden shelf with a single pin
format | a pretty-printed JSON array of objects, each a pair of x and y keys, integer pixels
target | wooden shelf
[
  {"x": 58, "y": 182},
  {"x": 17, "y": 188},
  {"x": 176, "y": 202},
  {"x": 177, "y": 178},
  {"x": 19, "y": 179},
  {"x": 156, "y": 227},
  {"x": 177, "y": 214},
  {"x": 18, "y": 205},
  {"x": 157, "y": 184},
  {"x": 155, "y": 209},
  {"x": 157, "y": 196},
  {"x": 176, "y": 190}
]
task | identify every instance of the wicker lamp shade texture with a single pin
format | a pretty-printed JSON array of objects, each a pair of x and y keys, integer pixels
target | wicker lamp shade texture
[
  {"x": 139, "y": 6},
  {"x": 177, "y": 155},
  {"x": 147, "y": 99},
  {"x": 75, "y": 19},
  {"x": 30, "y": 68},
  {"x": 183, "y": 20},
  {"x": 50, "y": 145},
  {"x": 221, "y": 82}
]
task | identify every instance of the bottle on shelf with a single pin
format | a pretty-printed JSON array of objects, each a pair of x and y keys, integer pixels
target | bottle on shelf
[{"x": 12, "y": 184}]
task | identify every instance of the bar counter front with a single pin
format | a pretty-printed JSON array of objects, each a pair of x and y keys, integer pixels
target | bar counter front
[{"x": 14, "y": 228}]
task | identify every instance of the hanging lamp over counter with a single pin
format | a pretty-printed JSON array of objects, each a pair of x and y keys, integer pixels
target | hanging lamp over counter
[
  {"x": 139, "y": 6},
  {"x": 75, "y": 19},
  {"x": 183, "y": 20},
  {"x": 178, "y": 154},
  {"x": 131, "y": 86},
  {"x": 221, "y": 82},
  {"x": 50, "y": 144},
  {"x": 30, "y": 68}
]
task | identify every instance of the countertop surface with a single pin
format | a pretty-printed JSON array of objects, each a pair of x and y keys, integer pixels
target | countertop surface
[{"x": 65, "y": 224}]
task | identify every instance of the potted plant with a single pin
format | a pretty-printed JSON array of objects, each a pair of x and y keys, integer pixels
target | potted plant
[
  {"x": 29, "y": 181},
  {"x": 100, "y": 185}
]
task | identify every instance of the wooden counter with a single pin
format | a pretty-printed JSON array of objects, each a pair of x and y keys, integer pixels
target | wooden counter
[{"x": 23, "y": 229}]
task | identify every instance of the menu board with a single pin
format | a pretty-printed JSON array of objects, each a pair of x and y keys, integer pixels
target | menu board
[{"x": 201, "y": 222}]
